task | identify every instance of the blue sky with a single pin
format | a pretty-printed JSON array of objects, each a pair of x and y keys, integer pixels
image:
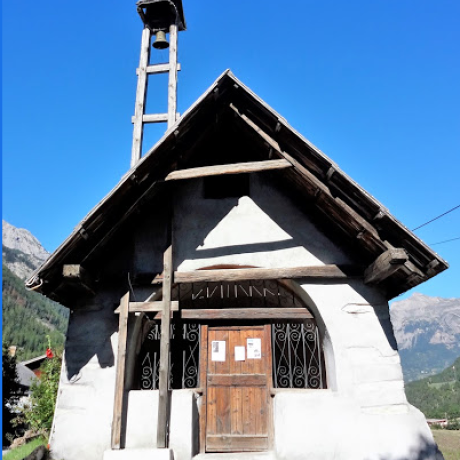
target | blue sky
[{"x": 373, "y": 84}]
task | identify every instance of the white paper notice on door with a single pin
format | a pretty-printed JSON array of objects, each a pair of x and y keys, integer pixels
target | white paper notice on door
[
  {"x": 254, "y": 348},
  {"x": 218, "y": 350},
  {"x": 240, "y": 353}
]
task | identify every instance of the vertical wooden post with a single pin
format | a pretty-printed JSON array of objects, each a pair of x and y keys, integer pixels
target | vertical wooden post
[
  {"x": 164, "y": 393},
  {"x": 141, "y": 94},
  {"x": 172, "y": 83},
  {"x": 120, "y": 372}
]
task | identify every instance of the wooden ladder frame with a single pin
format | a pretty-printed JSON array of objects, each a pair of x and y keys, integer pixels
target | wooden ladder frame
[{"x": 143, "y": 72}]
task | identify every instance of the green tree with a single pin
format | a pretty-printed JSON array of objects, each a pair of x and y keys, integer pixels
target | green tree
[
  {"x": 10, "y": 390},
  {"x": 38, "y": 415}
]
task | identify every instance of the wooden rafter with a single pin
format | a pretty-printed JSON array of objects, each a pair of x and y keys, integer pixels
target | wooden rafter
[{"x": 333, "y": 207}]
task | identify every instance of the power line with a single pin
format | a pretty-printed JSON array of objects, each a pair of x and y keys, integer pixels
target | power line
[
  {"x": 436, "y": 218},
  {"x": 445, "y": 241}
]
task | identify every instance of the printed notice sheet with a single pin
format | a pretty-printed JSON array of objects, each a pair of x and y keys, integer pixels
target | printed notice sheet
[
  {"x": 218, "y": 350},
  {"x": 240, "y": 353},
  {"x": 254, "y": 348}
]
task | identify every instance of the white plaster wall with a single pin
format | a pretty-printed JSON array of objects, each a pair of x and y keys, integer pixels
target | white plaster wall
[
  {"x": 326, "y": 426},
  {"x": 141, "y": 427},
  {"x": 264, "y": 230},
  {"x": 365, "y": 414},
  {"x": 84, "y": 407},
  {"x": 365, "y": 395}
]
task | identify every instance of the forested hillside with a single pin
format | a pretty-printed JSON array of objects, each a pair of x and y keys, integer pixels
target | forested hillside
[
  {"x": 437, "y": 396},
  {"x": 28, "y": 317}
]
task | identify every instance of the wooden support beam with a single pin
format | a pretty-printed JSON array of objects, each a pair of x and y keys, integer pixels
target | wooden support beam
[
  {"x": 332, "y": 272},
  {"x": 236, "y": 168},
  {"x": 141, "y": 94},
  {"x": 159, "y": 68},
  {"x": 246, "y": 313},
  {"x": 149, "y": 307},
  {"x": 172, "y": 81},
  {"x": 120, "y": 372},
  {"x": 385, "y": 265},
  {"x": 164, "y": 394}
]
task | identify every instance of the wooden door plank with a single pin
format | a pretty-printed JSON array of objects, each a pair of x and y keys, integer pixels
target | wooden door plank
[
  {"x": 211, "y": 412},
  {"x": 237, "y": 380},
  {"x": 232, "y": 342},
  {"x": 237, "y": 443},
  {"x": 223, "y": 393},
  {"x": 269, "y": 369}
]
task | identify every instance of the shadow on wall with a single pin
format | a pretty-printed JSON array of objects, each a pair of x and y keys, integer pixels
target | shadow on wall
[
  {"x": 89, "y": 337},
  {"x": 426, "y": 450}
]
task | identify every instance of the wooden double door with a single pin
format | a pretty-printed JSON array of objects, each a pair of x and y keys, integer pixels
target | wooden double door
[{"x": 237, "y": 372}]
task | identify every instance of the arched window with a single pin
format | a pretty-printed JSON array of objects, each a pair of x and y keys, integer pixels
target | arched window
[{"x": 296, "y": 352}]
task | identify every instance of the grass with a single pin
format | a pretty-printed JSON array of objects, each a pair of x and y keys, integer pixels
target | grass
[
  {"x": 439, "y": 385},
  {"x": 449, "y": 443},
  {"x": 22, "y": 451}
]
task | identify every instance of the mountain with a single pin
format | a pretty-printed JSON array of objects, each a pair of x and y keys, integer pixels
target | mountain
[
  {"x": 22, "y": 252},
  {"x": 427, "y": 330},
  {"x": 28, "y": 317},
  {"x": 437, "y": 396}
]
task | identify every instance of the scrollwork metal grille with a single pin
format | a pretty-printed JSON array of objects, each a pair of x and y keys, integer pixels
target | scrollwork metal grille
[
  {"x": 183, "y": 357},
  {"x": 297, "y": 356}
]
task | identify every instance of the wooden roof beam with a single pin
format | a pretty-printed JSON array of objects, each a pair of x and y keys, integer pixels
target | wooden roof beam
[
  {"x": 78, "y": 277},
  {"x": 385, "y": 265},
  {"x": 235, "y": 168},
  {"x": 354, "y": 225}
]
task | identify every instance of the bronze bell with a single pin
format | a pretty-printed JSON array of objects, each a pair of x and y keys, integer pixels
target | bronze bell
[{"x": 160, "y": 42}]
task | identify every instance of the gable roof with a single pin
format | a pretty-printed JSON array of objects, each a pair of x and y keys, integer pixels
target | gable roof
[{"x": 318, "y": 182}]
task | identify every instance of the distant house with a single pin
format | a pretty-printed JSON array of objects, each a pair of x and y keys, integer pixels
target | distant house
[
  {"x": 34, "y": 364},
  {"x": 442, "y": 422}
]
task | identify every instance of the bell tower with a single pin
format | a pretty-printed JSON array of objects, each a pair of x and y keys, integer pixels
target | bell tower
[{"x": 160, "y": 17}]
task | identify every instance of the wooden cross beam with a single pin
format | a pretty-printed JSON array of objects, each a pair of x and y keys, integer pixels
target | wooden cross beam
[
  {"x": 332, "y": 272},
  {"x": 236, "y": 168}
]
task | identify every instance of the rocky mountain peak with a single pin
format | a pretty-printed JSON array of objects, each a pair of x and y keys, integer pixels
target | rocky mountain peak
[
  {"x": 427, "y": 330},
  {"x": 22, "y": 252}
]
